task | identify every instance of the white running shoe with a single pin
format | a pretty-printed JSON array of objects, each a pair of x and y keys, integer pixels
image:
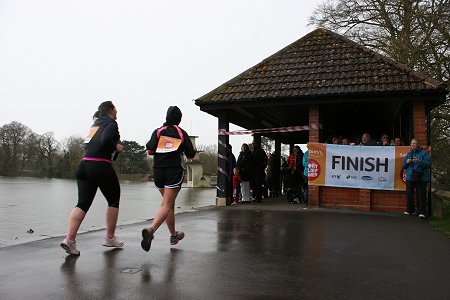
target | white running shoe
[
  {"x": 114, "y": 242},
  {"x": 70, "y": 247},
  {"x": 421, "y": 216}
]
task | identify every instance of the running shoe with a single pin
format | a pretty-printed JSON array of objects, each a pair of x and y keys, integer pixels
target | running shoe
[
  {"x": 114, "y": 242},
  {"x": 147, "y": 237},
  {"x": 70, "y": 247},
  {"x": 407, "y": 213},
  {"x": 179, "y": 235},
  {"x": 421, "y": 216}
]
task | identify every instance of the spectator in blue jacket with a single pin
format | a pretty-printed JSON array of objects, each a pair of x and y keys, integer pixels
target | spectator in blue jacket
[
  {"x": 305, "y": 174},
  {"x": 417, "y": 165}
]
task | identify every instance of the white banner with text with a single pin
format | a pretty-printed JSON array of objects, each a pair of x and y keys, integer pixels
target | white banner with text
[{"x": 367, "y": 167}]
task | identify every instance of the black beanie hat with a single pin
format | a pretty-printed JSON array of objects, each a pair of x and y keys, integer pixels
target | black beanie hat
[{"x": 173, "y": 116}]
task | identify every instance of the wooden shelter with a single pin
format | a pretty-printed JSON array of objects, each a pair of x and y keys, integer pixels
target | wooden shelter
[{"x": 324, "y": 78}]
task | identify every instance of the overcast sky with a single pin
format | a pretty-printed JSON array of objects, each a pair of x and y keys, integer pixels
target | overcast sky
[{"x": 60, "y": 59}]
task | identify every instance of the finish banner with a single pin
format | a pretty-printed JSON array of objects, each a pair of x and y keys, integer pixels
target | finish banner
[{"x": 366, "y": 167}]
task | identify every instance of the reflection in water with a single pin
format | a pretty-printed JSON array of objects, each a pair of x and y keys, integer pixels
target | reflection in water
[
  {"x": 110, "y": 284},
  {"x": 171, "y": 270},
  {"x": 73, "y": 286},
  {"x": 69, "y": 264},
  {"x": 154, "y": 288},
  {"x": 146, "y": 276},
  {"x": 74, "y": 282},
  {"x": 256, "y": 233}
]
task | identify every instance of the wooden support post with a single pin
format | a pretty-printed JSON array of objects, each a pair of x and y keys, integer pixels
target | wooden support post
[
  {"x": 222, "y": 180},
  {"x": 278, "y": 148}
]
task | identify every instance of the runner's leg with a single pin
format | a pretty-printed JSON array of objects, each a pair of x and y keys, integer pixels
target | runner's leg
[
  {"x": 168, "y": 202},
  {"x": 76, "y": 217}
]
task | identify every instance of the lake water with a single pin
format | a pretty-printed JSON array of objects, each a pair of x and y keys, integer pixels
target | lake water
[{"x": 44, "y": 206}]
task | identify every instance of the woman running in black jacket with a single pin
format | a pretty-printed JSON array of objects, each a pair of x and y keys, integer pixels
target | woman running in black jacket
[
  {"x": 96, "y": 171},
  {"x": 167, "y": 144}
]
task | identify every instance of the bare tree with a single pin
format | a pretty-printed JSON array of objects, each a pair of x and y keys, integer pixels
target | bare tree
[
  {"x": 267, "y": 144},
  {"x": 72, "y": 154},
  {"x": 412, "y": 32},
  {"x": 30, "y": 153},
  {"x": 12, "y": 137},
  {"x": 48, "y": 149},
  {"x": 208, "y": 157}
]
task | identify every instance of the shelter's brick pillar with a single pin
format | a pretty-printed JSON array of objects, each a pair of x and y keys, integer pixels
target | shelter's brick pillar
[
  {"x": 419, "y": 121},
  {"x": 314, "y": 137},
  {"x": 314, "y": 119},
  {"x": 420, "y": 133}
]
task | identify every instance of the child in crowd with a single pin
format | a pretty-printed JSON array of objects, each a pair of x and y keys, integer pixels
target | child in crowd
[
  {"x": 236, "y": 186},
  {"x": 384, "y": 141},
  {"x": 397, "y": 141},
  {"x": 335, "y": 140},
  {"x": 292, "y": 161},
  {"x": 291, "y": 186}
]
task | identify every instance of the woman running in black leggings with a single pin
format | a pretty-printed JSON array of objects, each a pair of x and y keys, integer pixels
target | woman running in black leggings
[
  {"x": 96, "y": 171},
  {"x": 167, "y": 144}
]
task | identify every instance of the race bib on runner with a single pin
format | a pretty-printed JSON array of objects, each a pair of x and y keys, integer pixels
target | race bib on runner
[
  {"x": 167, "y": 144},
  {"x": 91, "y": 133}
]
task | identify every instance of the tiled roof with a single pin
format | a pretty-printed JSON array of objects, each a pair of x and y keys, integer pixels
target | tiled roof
[{"x": 322, "y": 63}]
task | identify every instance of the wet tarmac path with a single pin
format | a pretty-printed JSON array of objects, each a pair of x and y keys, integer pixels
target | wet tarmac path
[{"x": 252, "y": 252}]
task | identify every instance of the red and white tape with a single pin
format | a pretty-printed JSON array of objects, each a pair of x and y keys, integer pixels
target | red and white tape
[{"x": 266, "y": 130}]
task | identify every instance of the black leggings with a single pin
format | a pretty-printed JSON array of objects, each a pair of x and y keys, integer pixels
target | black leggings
[{"x": 96, "y": 174}]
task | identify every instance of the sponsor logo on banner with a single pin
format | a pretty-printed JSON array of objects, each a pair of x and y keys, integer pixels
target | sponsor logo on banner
[
  {"x": 383, "y": 179},
  {"x": 400, "y": 179},
  {"x": 316, "y": 152},
  {"x": 317, "y": 164},
  {"x": 313, "y": 169}
]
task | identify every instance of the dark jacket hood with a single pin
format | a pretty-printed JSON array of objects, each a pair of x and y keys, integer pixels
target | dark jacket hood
[
  {"x": 173, "y": 116},
  {"x": 103, "y": 120}
]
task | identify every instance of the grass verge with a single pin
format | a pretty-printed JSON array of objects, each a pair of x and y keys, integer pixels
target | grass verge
[{"x": 444, "y": 223}]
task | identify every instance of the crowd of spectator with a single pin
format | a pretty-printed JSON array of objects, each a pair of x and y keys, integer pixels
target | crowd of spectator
[
  {"x": 254, "y": 175},
  {"x": 367, "y": 140}
]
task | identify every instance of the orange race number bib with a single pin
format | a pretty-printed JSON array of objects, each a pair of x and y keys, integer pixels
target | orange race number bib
[
  {"x": 91, "y": 133},
  {"x": 167, "y": 144}
]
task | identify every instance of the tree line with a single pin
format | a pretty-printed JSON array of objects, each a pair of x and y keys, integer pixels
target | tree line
[{"x": 26, "y": 153}]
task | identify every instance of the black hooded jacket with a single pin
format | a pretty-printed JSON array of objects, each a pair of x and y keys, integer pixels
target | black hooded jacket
[
  {"x": 170, "y": 129},
  {"x": 103, "y": 142}
]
